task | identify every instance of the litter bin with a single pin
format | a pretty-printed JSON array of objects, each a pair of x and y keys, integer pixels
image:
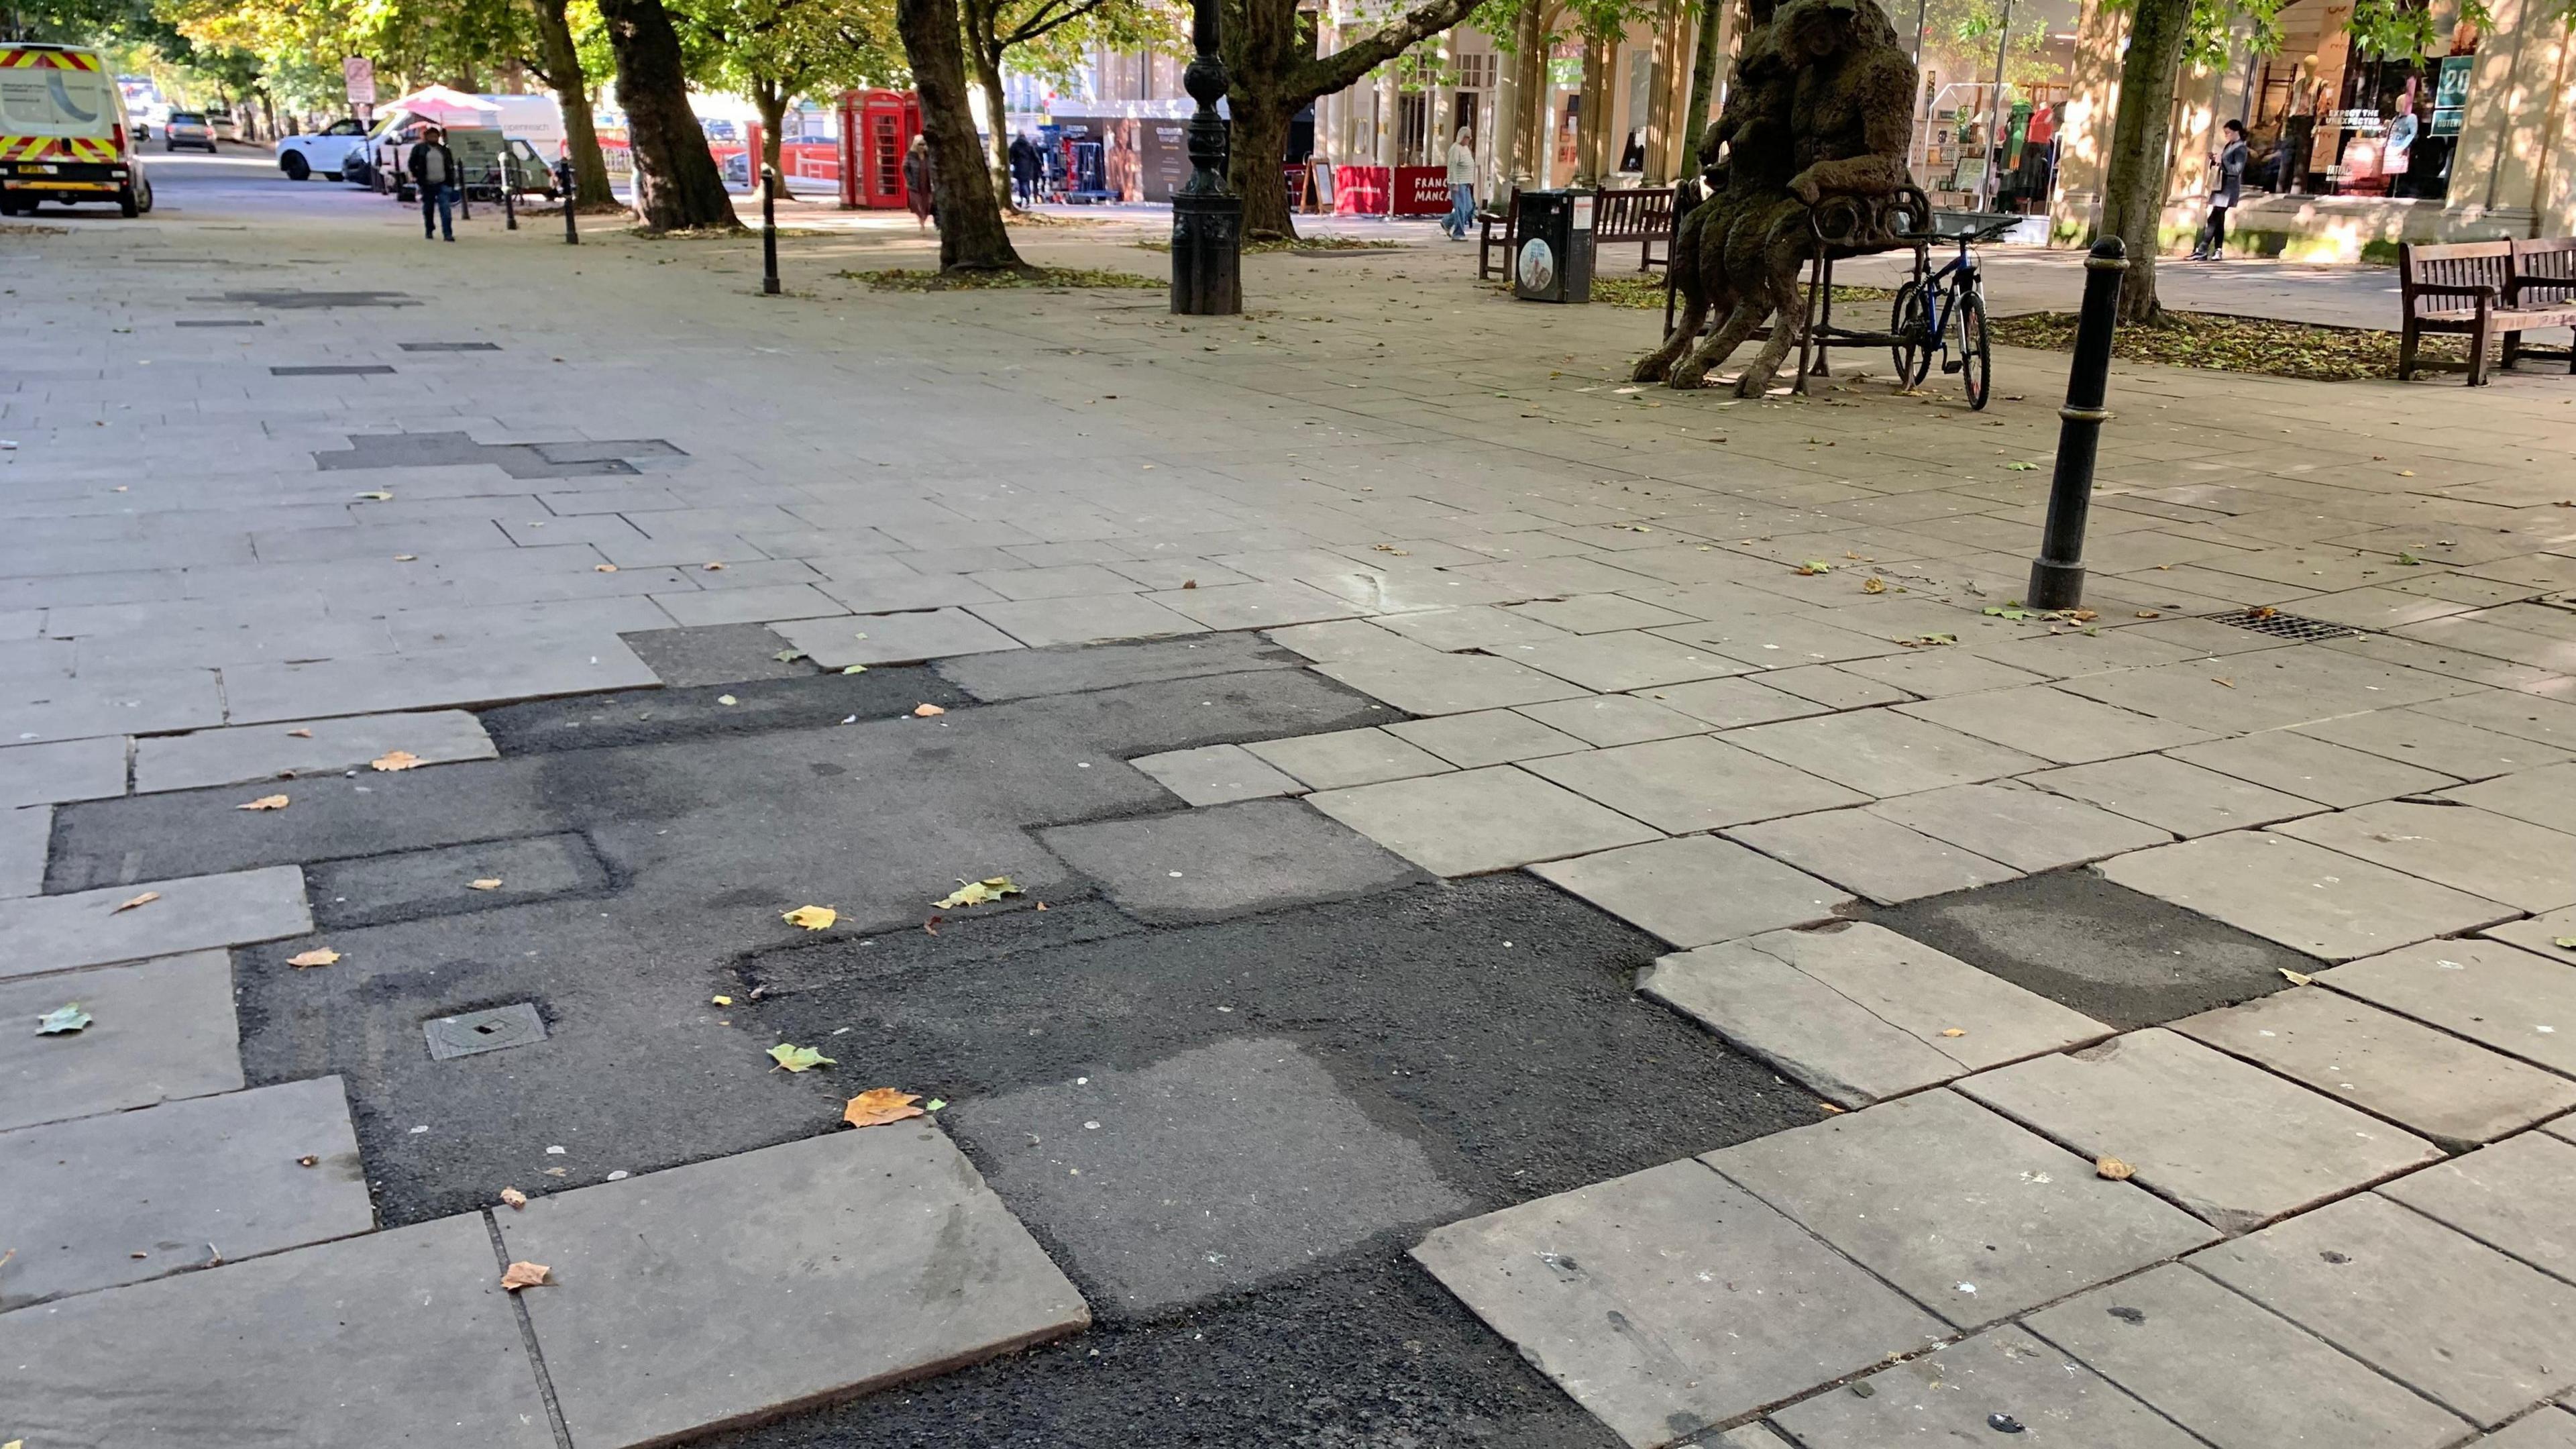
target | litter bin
[{"x": 1554, "y": 263}]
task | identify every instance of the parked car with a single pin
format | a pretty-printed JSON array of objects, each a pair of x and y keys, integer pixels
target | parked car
[
  {"x": 320, "y": 153},
  {"x": 69, "y": 138},
  {"x": 225, "y": 127},
  {"x": 187, "y": 128}
]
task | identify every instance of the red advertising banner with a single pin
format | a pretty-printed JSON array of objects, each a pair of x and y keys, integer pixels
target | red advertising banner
[
  {"x": 1421, "y": 190},
  {"x": 1360, "y": 190}
]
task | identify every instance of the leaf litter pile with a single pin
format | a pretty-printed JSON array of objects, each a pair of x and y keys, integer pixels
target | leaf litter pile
[
  {"x": 913, "y": 279},
  {"x": 2232, "y": 344}
]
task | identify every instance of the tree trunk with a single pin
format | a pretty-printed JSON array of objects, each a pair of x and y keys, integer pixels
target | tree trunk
[
  {"x": 2133, "y": 193},
  {"x": 1263, "y": 49},
  {"x": 677, "y": 186},
  {"x": 1260, "y": 138},
  {"x": 1705, "y": 64},
  {"x": 1529, "y": 120},
  {"x": 997, "y": 146},
  {"x": 1592, "y": 119},
  {"x": 971, "y": 235},
  {"x": 771, "y": 99}
]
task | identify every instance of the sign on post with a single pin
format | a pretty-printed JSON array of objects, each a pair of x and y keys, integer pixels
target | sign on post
[{"x": 358, "y": 74}]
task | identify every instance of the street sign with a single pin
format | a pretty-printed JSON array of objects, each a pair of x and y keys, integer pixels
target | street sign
[{"x": 359, "y": 74}]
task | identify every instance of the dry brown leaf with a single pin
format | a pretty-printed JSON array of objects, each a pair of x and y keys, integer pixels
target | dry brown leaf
[
  {"x": 318, "y": 956},
  {"x": 2149, "y": 614},
  {"x": 2112, "y": 1168},
  {"x": 309, "y": 1160},
  {"x": 396, "y": 760},
  {"x": 1829, "y": 1109},
  {"x": 299, "y": 734},
  {"x": 264, "y": 802},
  {"x": 487, "y": 883},
  {"x": 526, "y": 1275},
  {"x": 514, "y": 1197},
  {"x": 879, "y": 1105},
  {"x": 603, "y": 568},
  {"x": 1873, "y": 585},
  {"x": 2222, "y": 683},
  {"x": 711, "y": 567},
  {"x": 145, "y": 899},
  {"x": 1952, "y": 1031},
  {"x": 925, "y": 711},
  {"x": 932, "y": 925},
  {"x": 2297, "y": 978}
]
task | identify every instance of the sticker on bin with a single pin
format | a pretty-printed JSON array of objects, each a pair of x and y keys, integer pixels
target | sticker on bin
[{"x": 1583, "y": 213}]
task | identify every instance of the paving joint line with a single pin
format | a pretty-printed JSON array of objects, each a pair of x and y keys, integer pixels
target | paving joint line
[
  {"x": 528, "y": 1337},
  {"x": 2478, "y": 1430}
]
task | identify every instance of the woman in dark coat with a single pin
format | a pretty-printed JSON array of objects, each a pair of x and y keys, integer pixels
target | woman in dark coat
[{"x": 918, "y": 183}]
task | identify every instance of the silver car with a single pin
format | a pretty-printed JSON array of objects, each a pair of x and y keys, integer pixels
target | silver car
[{"x": 187, "y": 128}]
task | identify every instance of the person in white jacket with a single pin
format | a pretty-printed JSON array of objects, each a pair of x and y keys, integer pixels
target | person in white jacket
[{"x": 1462, "y": 188}]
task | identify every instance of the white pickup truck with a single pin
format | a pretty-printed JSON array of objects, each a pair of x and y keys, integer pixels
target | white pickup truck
[{"x": 320, "y": 153}]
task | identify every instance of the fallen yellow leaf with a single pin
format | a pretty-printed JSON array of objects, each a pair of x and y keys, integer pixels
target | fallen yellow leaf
[
  {"x": 977, "y": 892},
  {"x": 603, "y": 568},
  {"x": 878, "y": 1106},
  {"x": 264, "y": 802},
  {"x": 318, "y": 956},
  {"x": 812, "y": 918},
  {"x": 299, "y": 734},
  {"x": 145, "y": 899},
  {"x": 798, "y": 1058},
  {"x": 395, "y": 760},
  {"x": 487, "y": 883},
  {"x": 925, "y": 711},
  {"x": 2112, "y": 1168},
  {"x": 1873, "y": 585},
  {"x": 1952, "y": 1031},
  {"x": 1829, "y": 1109},
  {"x": 2296, "y": 978},
  {"x": 514, "y": 1197},
  {"x": 526, "y": 1275},
  {"x": 721, "y": 1000}
]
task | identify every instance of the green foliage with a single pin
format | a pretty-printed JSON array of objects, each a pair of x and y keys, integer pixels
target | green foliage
[
  {"x": 795, "y": 47},
  {"x": 1054, "y": 39}
]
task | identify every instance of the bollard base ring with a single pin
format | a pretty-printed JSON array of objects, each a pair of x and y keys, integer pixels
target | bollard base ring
[{"x": 2054, "y": 585}]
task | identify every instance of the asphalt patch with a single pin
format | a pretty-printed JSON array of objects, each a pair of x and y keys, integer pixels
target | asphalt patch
[
  {"x": 579, "y": 458},
  {"x": 801, "y": 700},
  {"x": 2114, "y": 954},
  {"x": 297, "y": 301},
  {"x": 717, "y": 654}
]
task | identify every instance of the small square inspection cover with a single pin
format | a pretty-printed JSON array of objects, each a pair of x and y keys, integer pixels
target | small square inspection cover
[{"x": 484, "y": 1031}]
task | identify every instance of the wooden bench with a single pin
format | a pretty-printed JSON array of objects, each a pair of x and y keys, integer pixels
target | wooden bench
[
  {"x": 2483, "y": 290},
  {"x": 1490, "y": 240},
  {"x": 1643, "y": 215}
]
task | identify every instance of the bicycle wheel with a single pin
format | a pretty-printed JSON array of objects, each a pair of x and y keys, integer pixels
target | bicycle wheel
[
  {"x": 1975, "y": 360},
  {"x": 1911, "y": 327}
]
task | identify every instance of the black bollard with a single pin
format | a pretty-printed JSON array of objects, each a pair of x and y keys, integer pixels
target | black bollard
[
  {"x": 563, "y": 188},
  {"x": 2057, "y": 575},
  {"x": 509, "y": 202},
  {"x": 769, "y": 230}
]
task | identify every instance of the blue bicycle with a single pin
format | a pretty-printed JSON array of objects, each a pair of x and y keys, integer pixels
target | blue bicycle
[{"x": 1938, "y": 310}]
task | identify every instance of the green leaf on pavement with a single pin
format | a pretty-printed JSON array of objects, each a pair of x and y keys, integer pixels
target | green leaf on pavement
[
  {"x": 855, "y": 669},
  {"x": 2565, "y": 943},
  {"x": 977, "y": 892},
  {"x": 67, "y": 1018},
  {"x": 799, "y": 1059},
  {"x": 788, "y": 656},
  {"x": 2408, "y": 558}
]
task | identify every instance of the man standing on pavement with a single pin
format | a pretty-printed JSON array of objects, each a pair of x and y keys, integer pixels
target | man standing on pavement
[
  {"x": 2231, "y": 185},
  {"x": 1462, "y": 188},
  {"x": 433, "y": 168},
  {"x": 1024, "y": 168}
]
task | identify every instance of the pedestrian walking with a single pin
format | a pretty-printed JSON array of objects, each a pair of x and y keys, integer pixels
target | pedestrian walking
[
  {"x": 433, "y": 169},
  {"x": 1024, "y": 168},
  {"x": 1462, "y": 188},
  {"x": 919, "y": 180},
  {"x": 2231, "y": 185}
]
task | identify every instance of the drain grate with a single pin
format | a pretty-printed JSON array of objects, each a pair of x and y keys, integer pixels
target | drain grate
[
  {"x": 2286, "y": 626},
  {"x": 451, "y": 347},
  {"x": 369, "y": 369},
  {"x": 476, "y": 1032}
]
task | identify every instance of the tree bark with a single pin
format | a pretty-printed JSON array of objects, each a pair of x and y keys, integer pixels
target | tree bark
[
  {"x": 770, "y": 98},
  {"x": 677, "y": 186},
  {"x": 572, "y": 95},
  {"x": 1592, "y": 119},
  {"x": 2133, "y": 193},
  {"x": 997, "y": 146},
  {"x": 972, "y": 237},
  {"x": 1529, "y": 116},
  {"x": 1260, "y": 131},
  {"x": 1705, "y": 63}
]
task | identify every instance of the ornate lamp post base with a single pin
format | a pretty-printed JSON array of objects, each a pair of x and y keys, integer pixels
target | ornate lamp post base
[{"x": 1207, "y": 216}]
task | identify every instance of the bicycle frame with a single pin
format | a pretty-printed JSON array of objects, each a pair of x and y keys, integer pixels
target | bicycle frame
[{"x": 1940, "y": 297}]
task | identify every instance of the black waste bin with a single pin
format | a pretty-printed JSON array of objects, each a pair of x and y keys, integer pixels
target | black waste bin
[{"x": 1554, "y": 262}]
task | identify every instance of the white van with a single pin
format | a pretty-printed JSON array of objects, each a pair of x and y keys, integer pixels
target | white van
[{"x": 64, "y": 135}]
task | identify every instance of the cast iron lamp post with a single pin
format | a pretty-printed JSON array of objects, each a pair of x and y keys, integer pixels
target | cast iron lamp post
[{"x": 1207, "y": 217}]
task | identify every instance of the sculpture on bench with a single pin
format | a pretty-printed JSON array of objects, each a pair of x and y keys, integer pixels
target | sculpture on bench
[{"x": 1808, "y": 154}]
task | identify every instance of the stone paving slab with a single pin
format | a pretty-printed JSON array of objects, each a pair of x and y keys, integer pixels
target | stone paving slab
[
  {"x": 1616, "y": 662},
  {"x": 1926, "y": 993},
  {"x": 2461, "y": 846},
  {"x": 1435, "y": 683},
  {"x": 2542, "y": 797},
  {"x": 1024, "y": 673},
  {"x": 51, "y": 772},
  {"x": 2171, "y": 795},
  {"x": 1726, "y": 1307},
  {"x": 128, "y": 1196},
  {"x": 1614, "y": 719},
  {"x": 160, "y": 1031},
  {"x": 2550, "y": 1428},
  {"x": 2513, "y": 1000},
  {"x": 1968, "y": 1214},
  {"x": 1204, "y": 1173},
  {"x": 26, "y": 833},
  {"x": 1201, "y": 865},
  {"x": 1872, "y": 855},
  {"x": 1697, "y": 889},
  {"x": 1485, "y": 737},
  {"x": 1344, "y": 758},
  {"x": 2330, "y": 905},
  {"x": 893, "y": 638},
  {"x": 2435, "y": 743},
  {"x": 1693, "y": 783},
  {"x": 2429, "y": 1307},
  {"x": 379, "y": 684},
  {"x": 272, "y": 751},
  {"x": 2236, "y": 1374},
  {"x": 1883, "y": 753},
  {"x": 2540, "y": 934},
  {"x": 1732, "y": 703},
  {"x": 1216, "y": 774},
  {"x": 2043, "y": 720},
  {"x": 86, "y": 928},
  {"x": 1833, "y": 687},
  {"x": 2517, "y": 1197},
  {"x": 2312, "y": 769},
  {"x": 2429, "y": 1082},
  {"x": 813, "y": 1270},
  {"x": 2029, "y": 830},
  {"x": 1479, "y": 820},
  {"x": 401, "y": 1338},
  {"x": 1093, "y": 618},
  {"x": 1955, "y": 1394},
  {"x": 2231, "y": 1143}
]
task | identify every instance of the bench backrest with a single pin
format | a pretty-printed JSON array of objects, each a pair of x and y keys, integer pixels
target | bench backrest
[
  {"x": 1632, "y": 213},
  {"x": 2546, "y": 257},
  {"x": 2461, "y": 264}
]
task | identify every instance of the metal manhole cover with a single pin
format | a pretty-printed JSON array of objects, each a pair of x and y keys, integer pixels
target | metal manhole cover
[
  {"x": 451, "y": 346},
  {"x": 370, "y": 369},
  {"x": 2286, "y": 626},
  {"x": 484, "y": 1031}
]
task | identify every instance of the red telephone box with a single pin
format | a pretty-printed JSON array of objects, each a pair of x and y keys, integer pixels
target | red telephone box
[{"x": 877, "y": 127}]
